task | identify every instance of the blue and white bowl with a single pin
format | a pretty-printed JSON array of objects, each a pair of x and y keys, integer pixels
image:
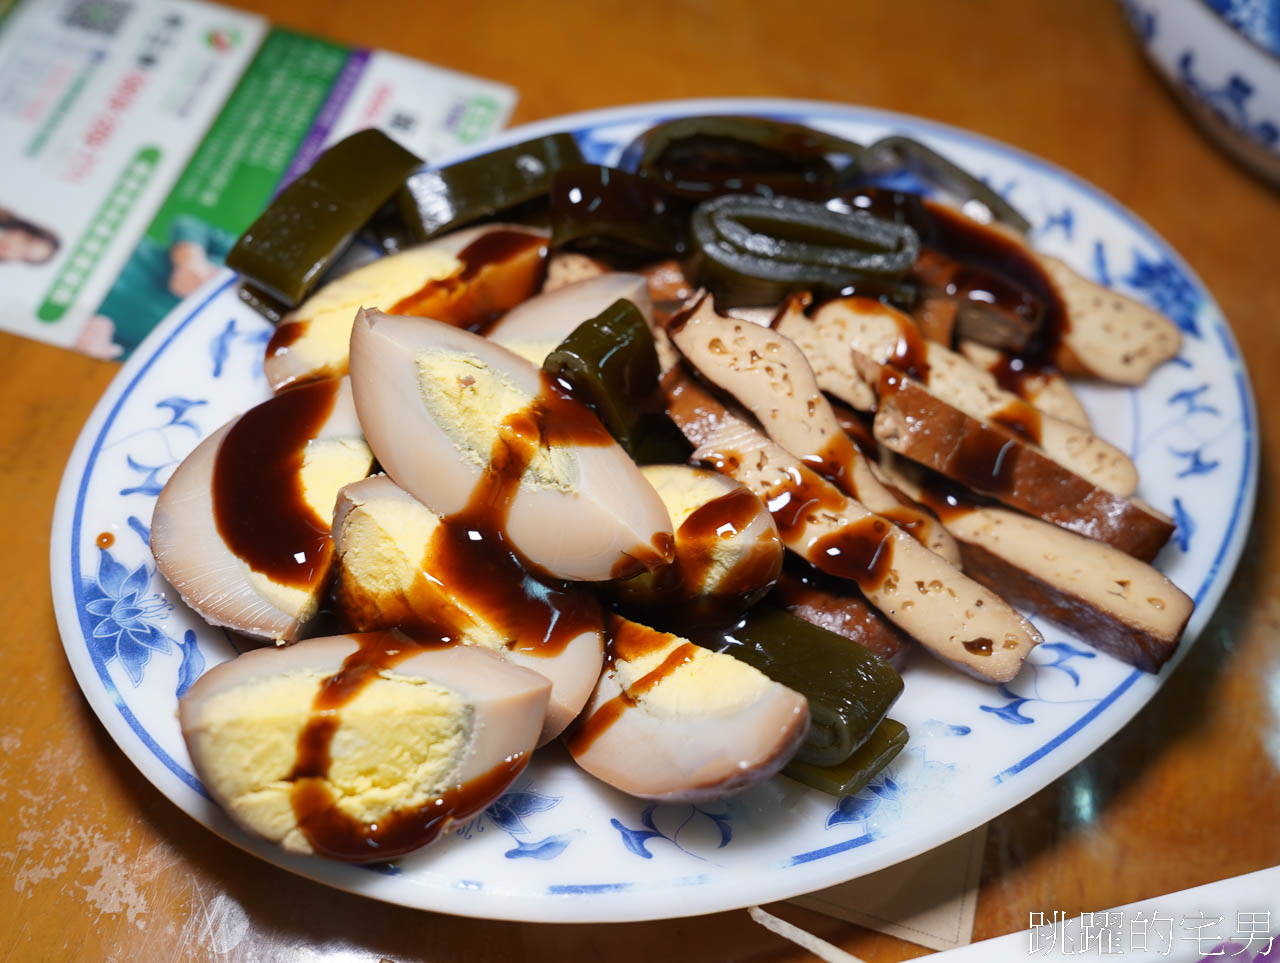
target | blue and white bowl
[{"x": 1222, "y": 59}]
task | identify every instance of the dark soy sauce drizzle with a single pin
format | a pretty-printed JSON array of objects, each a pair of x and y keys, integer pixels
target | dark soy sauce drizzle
[
  {"x": 628, "y": 641},
  {"x": 683, "y": 580},
  {"x": 1014, "y": 374},
  {"x": 1020, "y": 418},
  {"x": 329, "y": 830},
  {"x": 833, "y": 462},
  {"x": 986, "y": 460},
  {"x": 945, "y": 498},
  {"x": 981, "y": 646},
  {"x": 983, "y": 289},
  {"x": 910, "y": 354},
  {"x": 258, "y": 503},
  {"x": 792, "y": 504},
  {"x": 986, "y": 249},
  {"x": 472, "y": 554},
  {"x": 861, "y": 551},
  {"x": 285, "y": 335},
  {"x": 499, "y": 270}
]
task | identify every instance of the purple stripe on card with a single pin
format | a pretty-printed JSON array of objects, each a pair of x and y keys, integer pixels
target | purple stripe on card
[{"x": 328, "y": 115}]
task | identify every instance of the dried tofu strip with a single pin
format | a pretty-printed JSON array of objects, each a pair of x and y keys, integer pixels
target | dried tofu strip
[
  {"x": 1110, "y": 336},
  {"x": 1047, "y": 390},
  {"x": 697, "y": 413},
  {"x": 981, "y": 456},
  {"x": 769, "y": 375},
  {"x": 836, "y": 374},
  {"x": 961, "y": 622},
  {"x": 888, "y": 336},
  {"x": 841, "y": 608},
  {"x": 1109, "y": 599},
  {"x": 997, "y": 463},
  {"x": 567, "y": 267}
]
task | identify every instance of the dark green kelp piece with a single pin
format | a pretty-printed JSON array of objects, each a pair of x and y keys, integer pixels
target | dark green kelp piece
[
  {"x": 707, "y": 156},
  {"x": 849, "y": 688},
  {"x": 307, "y": 226},
  {"x": 610, "y": 364},
  {"x": 852, "y": 775},
  {"x": 435, "y": 201},
  {"x": 756, "y": 251}
]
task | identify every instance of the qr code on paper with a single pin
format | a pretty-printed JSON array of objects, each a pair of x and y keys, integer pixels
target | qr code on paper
[{"x": 99, "y": 16}]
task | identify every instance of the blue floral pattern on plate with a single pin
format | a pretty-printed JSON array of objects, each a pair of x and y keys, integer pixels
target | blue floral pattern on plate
[
  {"x": 678, "y": 819},
  {"x": 559, "y": 846},
  {"x": 1259, "y": 20},
  {"x": 508, "y": 813},
  {"x": 1231, "y": 101}
]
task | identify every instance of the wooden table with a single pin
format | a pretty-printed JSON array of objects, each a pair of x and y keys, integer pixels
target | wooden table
[{"x": 98, "y": 865}]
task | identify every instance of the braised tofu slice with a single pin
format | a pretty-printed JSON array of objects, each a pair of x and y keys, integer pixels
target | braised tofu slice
[
  {"x": 957, "y": 620},
  {"x": 1111, "y": 336},
  {"x": 889, "y": 337},
  {"x": 1107, "y": 598},
  {"x": 770, "y": 376},
  {"x": 1042, "y": 387},
  {"x": 999, "y": 464}
]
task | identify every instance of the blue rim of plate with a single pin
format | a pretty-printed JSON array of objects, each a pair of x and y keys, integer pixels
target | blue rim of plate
[{"x": 119, "y": 720}]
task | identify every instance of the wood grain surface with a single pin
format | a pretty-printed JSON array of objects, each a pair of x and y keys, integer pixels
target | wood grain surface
[{"x": 96, "y": 865}]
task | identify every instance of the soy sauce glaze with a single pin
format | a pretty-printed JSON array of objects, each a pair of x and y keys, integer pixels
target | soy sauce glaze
[
  {"x": 986, "y": 457},
  {"x": 258, "y": 502},
  {"x": 471, "y": 553},
  {"x": 682, "y": 583},
  {"x": 946, "y": 499},
  {"x": 500, "y": 269},
  {"x": 835, "y": 461},
  {"x": 1020, "y": 418},
  {"x": 802, "y": 495},
  {"x": 1015, "y": 375},
  {"x": 861, "y": 551},
  {"x": 1014, "y": 278},
  {"x": 834, "y": 464},
  {"x": 905, "y": 515},
  {"x": 986, "y": 460},
  {"x": 329, "y": 830},
  {"x": 285, "y": 334},
  {"x": 910, "y": 353},
  {"x": 986, "y": 302}
]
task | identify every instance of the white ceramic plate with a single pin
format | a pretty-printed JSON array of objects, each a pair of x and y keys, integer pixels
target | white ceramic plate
[{"x": 559, "y": 846}]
